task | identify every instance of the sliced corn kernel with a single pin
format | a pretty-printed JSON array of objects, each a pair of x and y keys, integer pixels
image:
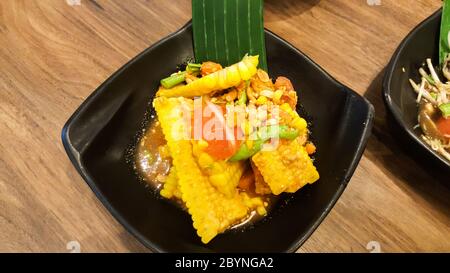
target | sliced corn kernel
[
  {"x": 255, "y": 203},
  {"x": 277, "y": 96},
  {"x": 286, "y": 107},
  {"x": 297, "y": 122},
  {"x": 202, "y": 144},
  {"x": 249, "y": 143},
  {"x": 205, "y": 161},
  {"x": 246, "y": 127},
  {"x": 262, "y": 100},
  {"x": 170, "y": 188},
  {"x": 261, "y": 211}
]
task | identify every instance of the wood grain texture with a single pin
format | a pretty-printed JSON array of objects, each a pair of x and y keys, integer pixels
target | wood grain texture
[{"x": 52, "y": 55}]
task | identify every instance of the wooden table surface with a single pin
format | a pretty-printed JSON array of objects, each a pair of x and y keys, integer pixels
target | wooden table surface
[{"x": 54, "y": 53}]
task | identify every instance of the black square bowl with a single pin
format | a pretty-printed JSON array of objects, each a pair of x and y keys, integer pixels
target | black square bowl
[
  {"x": 99, "y": 133},
  {"x": 399, "y": 97}
]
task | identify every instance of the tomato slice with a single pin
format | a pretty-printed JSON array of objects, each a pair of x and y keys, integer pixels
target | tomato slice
[
  {"x": 211, "y": 126},
  {"x": 443, "y": 125},
  {"x": 221, "y": 149}
]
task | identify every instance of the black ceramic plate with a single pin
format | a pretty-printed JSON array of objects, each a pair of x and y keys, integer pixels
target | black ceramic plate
[
  {"x": 98, "y": 134},
  {"x": 399, "y": 97}
]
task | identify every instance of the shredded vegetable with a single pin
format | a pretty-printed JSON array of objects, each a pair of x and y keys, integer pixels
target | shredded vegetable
[{"x": 433, "y": 96}]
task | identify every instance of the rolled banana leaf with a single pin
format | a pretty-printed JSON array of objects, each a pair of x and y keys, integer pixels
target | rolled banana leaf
[{"x": 226, "y": 30}]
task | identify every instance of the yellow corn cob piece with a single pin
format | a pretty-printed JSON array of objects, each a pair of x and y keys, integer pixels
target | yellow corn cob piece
[
  {"x": 222, "y": 79},
  {"x": 223, "y": 175},
  {"x": 171, "y": 188},
  {"x": 212, "y": 212},
  {"x": 286, "y": 169}
]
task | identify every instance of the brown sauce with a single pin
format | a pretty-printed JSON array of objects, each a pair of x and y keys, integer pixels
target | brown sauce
[
  {"x": 428, "y": 116},
  {"x": 151, "y": 165}
]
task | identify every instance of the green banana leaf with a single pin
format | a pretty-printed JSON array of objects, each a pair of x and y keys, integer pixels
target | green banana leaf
[
  {"x": 444, "y": 47},
  {"x": 226, "y": 30}
]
